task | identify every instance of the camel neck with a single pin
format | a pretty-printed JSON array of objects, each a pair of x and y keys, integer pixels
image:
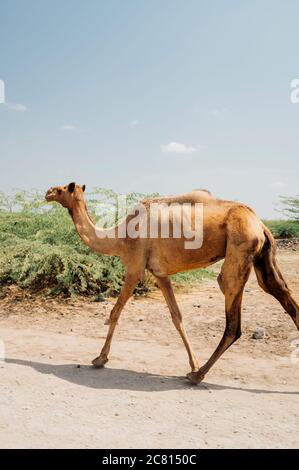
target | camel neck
[{"x": 100, "y": 240}]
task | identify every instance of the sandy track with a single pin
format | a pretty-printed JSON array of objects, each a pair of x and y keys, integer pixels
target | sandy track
[{"x": 142, "y": 399}]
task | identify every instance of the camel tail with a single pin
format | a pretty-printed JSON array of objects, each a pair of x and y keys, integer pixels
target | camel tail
[{"x": 270, "y": 277}]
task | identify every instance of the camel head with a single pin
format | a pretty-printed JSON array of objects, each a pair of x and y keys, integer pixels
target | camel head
[{"x": 67, "y": 195}]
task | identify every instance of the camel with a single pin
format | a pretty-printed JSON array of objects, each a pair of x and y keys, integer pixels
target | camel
[{"x": 231, "y": 232}]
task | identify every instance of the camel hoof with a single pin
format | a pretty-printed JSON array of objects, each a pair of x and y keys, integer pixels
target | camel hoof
[
  {"x": 195, "y": 378},
  {"x": 99, "y": 362},
  {"x": 107, "y": 322}
]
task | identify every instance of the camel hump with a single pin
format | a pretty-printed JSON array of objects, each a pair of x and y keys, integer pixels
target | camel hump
[{"x": 204, "y": 192}]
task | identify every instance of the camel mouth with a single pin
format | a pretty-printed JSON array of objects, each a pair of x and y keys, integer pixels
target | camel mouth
[{"x": 49, "y": 196}]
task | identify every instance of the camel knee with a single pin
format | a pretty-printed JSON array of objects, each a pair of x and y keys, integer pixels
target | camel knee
[
  {"x": 232, "y": 338},
  {"x": 115, "y": 313},
  {"x": 233, "y": 332}
]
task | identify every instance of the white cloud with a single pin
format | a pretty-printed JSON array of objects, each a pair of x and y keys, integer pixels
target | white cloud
[
  {"x": 134, "y": 123},
  {"x": 68, "y": 127},
  {"x": 176, "y": 147},
  {"x": 278, "y": 184},
  {"x": 17, "y": 107}
]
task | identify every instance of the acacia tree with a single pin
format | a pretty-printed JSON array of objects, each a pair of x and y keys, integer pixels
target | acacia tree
[{"x": 291, "y": 207}]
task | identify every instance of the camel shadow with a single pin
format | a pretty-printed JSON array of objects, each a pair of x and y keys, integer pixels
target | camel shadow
[{"x": 121, "y": 379}]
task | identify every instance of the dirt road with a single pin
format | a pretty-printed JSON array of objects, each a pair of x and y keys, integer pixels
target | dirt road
[{"x": 51, "y": 397}]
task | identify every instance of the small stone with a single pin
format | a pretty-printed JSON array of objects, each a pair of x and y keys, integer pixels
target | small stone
[
  {"x": 78, "y": 366},
  {"x": 196, "y": 305},
  {"x": 259, "y": 333},
  {"x": 140, "y": 319}
]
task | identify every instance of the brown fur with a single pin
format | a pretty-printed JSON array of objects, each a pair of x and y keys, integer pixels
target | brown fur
[{"x": 232, "y": 232}]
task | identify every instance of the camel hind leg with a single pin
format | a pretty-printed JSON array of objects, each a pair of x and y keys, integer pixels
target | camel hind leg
[
  {"x": 272, "y": 281},
  {"x": 233, "y": 277},
  {"x": 245, "y": 239}
]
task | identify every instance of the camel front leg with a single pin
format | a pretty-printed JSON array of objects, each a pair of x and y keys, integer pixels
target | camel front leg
[
  {"x": 166, "y": 287},
  {"x": 126, "y": 292}
]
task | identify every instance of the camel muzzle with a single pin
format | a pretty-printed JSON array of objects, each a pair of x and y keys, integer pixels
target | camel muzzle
[{"x": 50, "y": 195}]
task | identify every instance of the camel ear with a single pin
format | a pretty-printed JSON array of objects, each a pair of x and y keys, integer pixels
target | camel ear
[
  {"x": 83, "y": 188},
  {"x": 71, "y": 187}
]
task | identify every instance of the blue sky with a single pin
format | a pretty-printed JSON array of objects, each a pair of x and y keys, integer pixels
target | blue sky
[{"x": 151, "y": 95}]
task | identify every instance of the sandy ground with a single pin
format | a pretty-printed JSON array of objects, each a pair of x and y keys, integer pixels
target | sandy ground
[{"x": 51, "y": 397}]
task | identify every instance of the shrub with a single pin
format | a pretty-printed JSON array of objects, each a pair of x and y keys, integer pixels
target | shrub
[
  {"x": 291, "y": 207},
  {"x": 283, "y": 228}
]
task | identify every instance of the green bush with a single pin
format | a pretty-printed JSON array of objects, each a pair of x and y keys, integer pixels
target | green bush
[
  {"x": 283, "y": 228},
  {"x": 38, "y": 255},
  {"x": 290, "y": 207}
]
